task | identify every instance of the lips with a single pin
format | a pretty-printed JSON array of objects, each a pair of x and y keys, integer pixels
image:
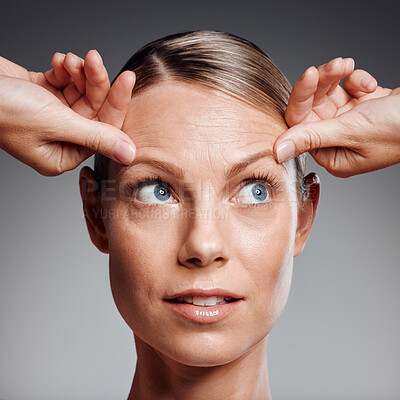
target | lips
[
  {"x": 203, "y": 293},
  {"x": 204, "y": 306},
  {"x": 203, "y": 301}
]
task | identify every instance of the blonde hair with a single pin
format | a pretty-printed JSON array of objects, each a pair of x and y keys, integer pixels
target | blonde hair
[{"x": 220, "y": 61}]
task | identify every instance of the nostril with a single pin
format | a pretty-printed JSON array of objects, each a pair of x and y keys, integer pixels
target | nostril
[{"x": 195, "y": 260}]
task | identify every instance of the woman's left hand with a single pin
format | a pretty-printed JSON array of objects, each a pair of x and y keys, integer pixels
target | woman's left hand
[{"x": 348, "y": 130}]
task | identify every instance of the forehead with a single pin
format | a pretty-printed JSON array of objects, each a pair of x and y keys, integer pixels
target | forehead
[{"x": 185, "y": 122}]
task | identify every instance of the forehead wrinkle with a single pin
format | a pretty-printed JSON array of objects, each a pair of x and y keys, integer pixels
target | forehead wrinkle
[
  {"x": 212, "y": 124},
  {"x": 201, "y": 131},
  {"x": 230, "y": 128}
]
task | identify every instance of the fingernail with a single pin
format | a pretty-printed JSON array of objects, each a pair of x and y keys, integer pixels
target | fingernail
[
  {"x": 285, "y": 151},
  {"x": 368, "y": 84},
  {"x": 76, "y": 61},
  {"x": 98, "y": 59},
  {"x": 349, "y": 63},
  {"x": 124, "y": 152},
  {"x": 328, "y": 67}
]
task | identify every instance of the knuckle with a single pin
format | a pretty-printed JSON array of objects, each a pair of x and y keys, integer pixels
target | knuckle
[
  {"x": 356, "y": 130},
  {"x": 94, "y": 141},
  {"x": 395, "y": 91},
  {"x": 332, "y": 166},
  {"x": 339, "y": 173},
  {"x": 48, "y": 170},
  {"x": 314, "y": 139},
  {"x": 58, "y": 170}
]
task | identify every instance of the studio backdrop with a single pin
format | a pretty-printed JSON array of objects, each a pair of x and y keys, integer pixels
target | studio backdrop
[{"x": 61, "y": 336}]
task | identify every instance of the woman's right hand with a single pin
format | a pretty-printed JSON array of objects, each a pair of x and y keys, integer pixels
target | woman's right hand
[{"x": 56, "y": 120}]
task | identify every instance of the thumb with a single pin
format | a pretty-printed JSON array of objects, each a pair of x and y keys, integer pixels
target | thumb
[
  {"x": 98, "y": 137},
  {"x": 308, "y": 136}
]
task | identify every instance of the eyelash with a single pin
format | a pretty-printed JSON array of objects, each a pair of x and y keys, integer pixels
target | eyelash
[
  {"x": 147, "y": 180},
  {"x": 260, "y": 177}
]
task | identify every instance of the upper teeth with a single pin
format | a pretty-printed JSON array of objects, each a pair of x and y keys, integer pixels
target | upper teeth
[{"x": 203, "y": 301}]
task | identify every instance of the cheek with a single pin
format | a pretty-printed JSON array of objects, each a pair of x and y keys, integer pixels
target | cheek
[
  {"x": 265, "y": 249},
  {"x": 141, "y": 250}
]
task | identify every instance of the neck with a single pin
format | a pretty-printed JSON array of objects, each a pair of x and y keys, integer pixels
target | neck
[{"x": 159, "y": 377}]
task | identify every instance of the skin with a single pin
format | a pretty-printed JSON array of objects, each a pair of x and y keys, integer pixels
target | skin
[
  {"x": 348, "y": 130},
  {"x": 54, "y": 121},
  {"x": 158, "y": 250},
  {"x": 83, "y": 115}
]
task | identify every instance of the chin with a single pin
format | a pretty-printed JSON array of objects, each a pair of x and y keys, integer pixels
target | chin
[
  {"x": 205, "y": 349},
  {"x": 213, "y": 357}
]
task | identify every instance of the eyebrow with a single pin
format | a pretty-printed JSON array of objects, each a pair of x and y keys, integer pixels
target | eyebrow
[
  {"x": 167, "y": 167},
  {"x": 242, "y": 165},
  {"x": 178, "y": 172}
]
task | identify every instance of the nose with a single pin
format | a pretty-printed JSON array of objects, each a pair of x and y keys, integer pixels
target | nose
[{"x": 206, "y": 241}]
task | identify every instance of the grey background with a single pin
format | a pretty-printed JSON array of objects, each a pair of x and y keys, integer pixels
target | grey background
[{"x": 61, "y": 337}]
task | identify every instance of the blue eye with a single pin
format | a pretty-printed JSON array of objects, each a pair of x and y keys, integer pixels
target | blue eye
[
  {"x": 254, "y": 193},
  {"x": 153, "y": 194},
  {"x": 256, "y": 190}
]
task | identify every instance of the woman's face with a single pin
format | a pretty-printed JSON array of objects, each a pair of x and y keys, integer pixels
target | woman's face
[{"x": 201, "y": 224}]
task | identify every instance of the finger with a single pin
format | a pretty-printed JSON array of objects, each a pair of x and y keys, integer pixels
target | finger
[
  {"x": 329, "y": 76},
  {"x": 98, "y": 137},
  {"x": 330, "y": 96},
  {"x": 75, "y": 67},
  {"x": 307, "y": 137},
  {"x": 116, "y": 105},
  {"x": 348, "y": 69},
  {"x": 336, "y": 94},
  {"x": 97, "y": 82},
  {"x": 359, "y": 83},
  {"x": 97, "y": 86},
  {"x": 301, "y": 99},
  {"x": 58, "y": 76}
]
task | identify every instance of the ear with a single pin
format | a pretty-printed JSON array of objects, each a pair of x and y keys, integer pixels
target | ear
[
  {"x": 92, "y": 209},
  {"x": 306, "y": 212}
]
